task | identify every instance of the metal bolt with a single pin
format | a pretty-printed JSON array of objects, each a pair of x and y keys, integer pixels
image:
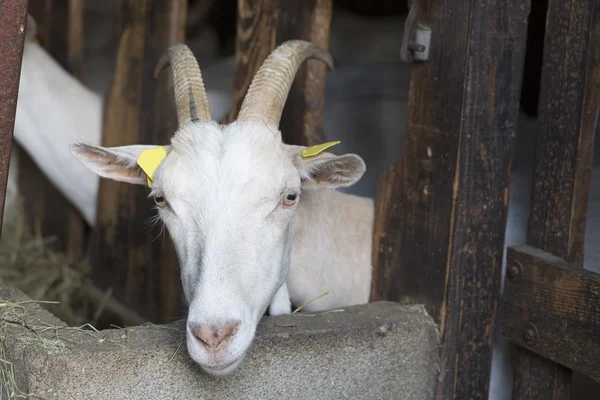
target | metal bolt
[
  {"x": 531, "y": 334},
  {"x": 416, "y": 47},
  {"x": 515, "y": 269}
]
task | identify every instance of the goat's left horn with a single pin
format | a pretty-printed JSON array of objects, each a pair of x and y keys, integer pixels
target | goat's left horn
[
  {"x": 190, "y": 95},
  {"x": 271, "y": 85}
]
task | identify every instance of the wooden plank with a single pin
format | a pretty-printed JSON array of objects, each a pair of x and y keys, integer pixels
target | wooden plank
[
  {"x": 552, "y": 308},
  {"x": 13, "y": 22},
  {"x": 141, "y": 268},
  {"x": 262, "y": 26},
  {"x": 48, "y": 212},
  {"x": 441, "y": 211},
  {"x": 59, "y": 30},
  {"x": 568, "y": 112}
]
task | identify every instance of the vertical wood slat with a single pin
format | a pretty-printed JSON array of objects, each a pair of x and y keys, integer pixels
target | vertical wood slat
[
  {"x": 13, "y": 22},
  {"x": 568, "y": 113},
  {"x": 139, "y": 109},
  {"x": 262, "y": 26},
  {"x": 441, "y": 211},
  {"x": 59, "y": 30}
]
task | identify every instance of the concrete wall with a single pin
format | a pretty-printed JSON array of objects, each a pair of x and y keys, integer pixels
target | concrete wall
[{"x": 377, "y": 351}]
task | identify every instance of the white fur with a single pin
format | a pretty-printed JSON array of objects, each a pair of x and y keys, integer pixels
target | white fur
[
  {"x": 225, "y": 188},
  {"x": 360, "y": 111},
  {"x": 281, "y": 304},
  {"x": 331, "y": 251},
  {"x": 53, "y": 110}
]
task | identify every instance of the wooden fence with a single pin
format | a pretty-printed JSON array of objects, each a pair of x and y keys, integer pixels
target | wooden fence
[
  {"x": 551, "y": 305},
  {"x": 441, "y": 210}
]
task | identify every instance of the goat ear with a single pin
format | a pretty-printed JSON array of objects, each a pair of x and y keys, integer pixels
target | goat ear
[
  {"x": 116, "y": 163},
  {"x": 326, "y": 170}
]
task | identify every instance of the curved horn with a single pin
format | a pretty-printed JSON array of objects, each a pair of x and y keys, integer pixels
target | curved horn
[
  {"x": 271, "y": 85},
  {"x": 190, "y": 95}
]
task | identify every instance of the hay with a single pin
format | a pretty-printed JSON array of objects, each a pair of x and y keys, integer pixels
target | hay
[
  {"x": 16, "y": 314},
  {"x": 36, "y": 334},
  {"x": 34, "y": 266},
  {"x": 308, "y": 303},
  {"x": 37, "y": 268}
]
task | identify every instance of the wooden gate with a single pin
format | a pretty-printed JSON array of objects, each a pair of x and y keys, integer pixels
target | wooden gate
[
  {"x": 441, "y": 210},
  {"x": 551, "y": 305}
]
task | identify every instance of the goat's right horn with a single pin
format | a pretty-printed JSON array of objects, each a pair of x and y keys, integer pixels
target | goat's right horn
[
  {"x": 271, "y": 85},
  {"x": 190, "y": 95}
]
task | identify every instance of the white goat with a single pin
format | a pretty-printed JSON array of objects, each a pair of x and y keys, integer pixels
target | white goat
[
  {"x": 232, "y": 198},
  {"x": 46, "y": 123},
  {"x": 384, "y": 130}
]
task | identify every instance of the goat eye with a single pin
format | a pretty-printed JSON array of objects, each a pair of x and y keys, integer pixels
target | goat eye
[
  {"x": 290, "y": 199},
  {"x": 160, "y": 201}
]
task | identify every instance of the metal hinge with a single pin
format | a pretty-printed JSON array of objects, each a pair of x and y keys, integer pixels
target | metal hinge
[{"x": 416, "y": 39}]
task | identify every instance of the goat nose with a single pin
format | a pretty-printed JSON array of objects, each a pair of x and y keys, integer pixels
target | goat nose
[{"x": 214, "y": 337}]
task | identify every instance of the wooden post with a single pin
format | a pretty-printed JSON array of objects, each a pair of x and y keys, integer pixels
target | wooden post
[
  {"x": 13, "y": 22},
  {"x": 550, "y": 307},
  {"x": 59, "y": 26},
  {"x": 142, "y": 271},
  {"x": 262, "y": 26},
  {"x": 60, "y": 31},
  {"x": 568, "y": 113},
  {"x": 441, "y": 211}
]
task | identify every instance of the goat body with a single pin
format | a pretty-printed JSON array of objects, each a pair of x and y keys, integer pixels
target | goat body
[
  {"x": 53, "y": 110},
  {"x": 331, "y": 250}
]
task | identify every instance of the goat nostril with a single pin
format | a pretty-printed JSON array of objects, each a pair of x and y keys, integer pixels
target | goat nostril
[
  {"x": 200, "y": 335},
  {"x": 213, "y": 338}
]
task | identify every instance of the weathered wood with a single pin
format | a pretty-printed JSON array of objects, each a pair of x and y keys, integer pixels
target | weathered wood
[
  {"x": 59, "y": 31},
  {"x": 142, "y": 271},
  {"x": 48, "y": 212},
  {"x": 568, "y": 113},
  {"x": 13, "y": 21},
  {"x": 441, "y": 211},
  {"x": 262, "y": 26},
  {"x": 552, "y": 308}
]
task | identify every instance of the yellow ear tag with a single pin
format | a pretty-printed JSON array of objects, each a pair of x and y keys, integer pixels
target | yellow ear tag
[
  {"x": 150, "y": 159},
  {"x": 314, "y": 150}
]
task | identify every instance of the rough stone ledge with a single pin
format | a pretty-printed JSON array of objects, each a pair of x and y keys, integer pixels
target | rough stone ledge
[{"x": 382, "y": 350}]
